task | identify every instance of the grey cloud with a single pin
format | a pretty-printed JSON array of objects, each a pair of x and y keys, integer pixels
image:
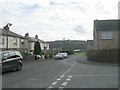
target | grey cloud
[
  {"x": 55, "y": 17},
  {"x": 26, "y": 8},
  {"x": 70, "y": 5},
  {"x": 79, "y": 29},
  {"x": 99, "y": 6},
  {"x": 53, "y": 3}
]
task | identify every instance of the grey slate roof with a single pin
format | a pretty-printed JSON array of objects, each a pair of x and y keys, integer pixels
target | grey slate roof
[
  {"x": 10, "y": 33},
  {"x": 41, "y": 40},
  {"x": 107, "y": 24},
  {"x": 32, "y": 39}
]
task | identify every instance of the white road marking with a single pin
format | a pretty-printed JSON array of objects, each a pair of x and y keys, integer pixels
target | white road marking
[
  {"x": 54, "y": 83},
  {"x": 70, "y": 76},
  {"x": 68, "y": 70},
  {"x": 50, "y": 87},
  {"x": 58, "y": 79},
  {"x": 68, "y": 79},
  {"x": 62, "y": 76},
  {"x": 64, "y": 83},
  {"x": 61, "y": 88}
]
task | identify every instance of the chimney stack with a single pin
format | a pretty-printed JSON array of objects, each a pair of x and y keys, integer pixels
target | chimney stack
[
  {"x": 27, "y": 35},
  {"x": 36, "y": 36}
]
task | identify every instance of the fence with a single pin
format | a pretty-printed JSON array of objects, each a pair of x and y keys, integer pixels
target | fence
[{"x": 110, "y": 56}]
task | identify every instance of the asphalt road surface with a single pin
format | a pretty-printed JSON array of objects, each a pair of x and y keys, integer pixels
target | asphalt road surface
[{"x": 66, "y": 73}]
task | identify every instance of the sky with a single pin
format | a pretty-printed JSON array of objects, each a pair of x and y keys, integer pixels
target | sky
[{"x": 56, "y": 19}]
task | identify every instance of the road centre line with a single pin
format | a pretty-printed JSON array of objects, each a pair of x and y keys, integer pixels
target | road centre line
[
  {"x": 64, "y": 83},
  {"x": 70, "y": 67},
  {"x": 50, "y": 87},
  {"x": 61, "y": 87},
  {"x": 62, "y": 76},
  {"x": 54, "y": 83},
  {"x": 68, "y": 70},
  {"x": 70, "y": 76},
  {"x": 68, "y": 79},
  {"x": 58, "y": 79}
]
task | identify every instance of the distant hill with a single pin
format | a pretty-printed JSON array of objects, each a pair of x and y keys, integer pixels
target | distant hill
[{"x": 67, "y": 45}]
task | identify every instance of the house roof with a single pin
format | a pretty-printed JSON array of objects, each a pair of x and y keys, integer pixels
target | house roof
[
  {"x": 32, "y": 39},
  {"x": 41, "y": 41},
  {"x": 10, "y": 33},
  {"x": 106, "y": 24}
]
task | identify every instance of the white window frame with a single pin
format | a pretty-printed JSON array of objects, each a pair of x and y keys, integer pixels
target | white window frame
[
  {"x": 15, "y": 40},
  {"x": 22, "y": 41},
  {"x": 2, "y": 39},
  {"x": 106, "y": 35}
]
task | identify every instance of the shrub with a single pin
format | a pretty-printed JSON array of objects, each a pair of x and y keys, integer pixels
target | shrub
[{"x": 37, "y": 48}]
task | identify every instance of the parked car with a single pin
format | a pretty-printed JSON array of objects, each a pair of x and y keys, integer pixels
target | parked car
[
  {"x": 11, "y": 60},
  {"x": 59, "y": 56},
  {"x": 37, "y": 57},
  {"x": 65, "y": 55}
]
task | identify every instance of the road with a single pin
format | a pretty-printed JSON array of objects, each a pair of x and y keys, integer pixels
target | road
[{"x": 65, "y": 73}]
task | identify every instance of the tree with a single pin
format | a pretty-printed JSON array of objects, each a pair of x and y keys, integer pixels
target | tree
[{"x": 37, "y": 49}]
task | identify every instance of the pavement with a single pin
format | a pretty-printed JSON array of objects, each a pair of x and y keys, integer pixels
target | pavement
[
  {"x": 83, "y": 59},
  {"x": 31, "y": 58}
]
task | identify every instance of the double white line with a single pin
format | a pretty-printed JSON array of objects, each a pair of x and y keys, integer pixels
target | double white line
[{"x": 64, "y": 83}]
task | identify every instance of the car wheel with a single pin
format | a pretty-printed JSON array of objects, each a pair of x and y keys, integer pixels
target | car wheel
[{"x": 19, "y": 67}]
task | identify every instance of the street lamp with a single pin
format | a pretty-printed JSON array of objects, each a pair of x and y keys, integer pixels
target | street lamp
[{"x": 6, "y": 27}]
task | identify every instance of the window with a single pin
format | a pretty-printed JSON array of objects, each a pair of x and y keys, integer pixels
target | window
[
  {"x": 14, "y": 40},
  {"x": 1, "y": 39},
  {"x": 106, "y": 35},
  {"x": 22, "y": 41}
]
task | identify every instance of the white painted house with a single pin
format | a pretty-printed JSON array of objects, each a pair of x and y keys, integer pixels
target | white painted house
[
  {"x": 31, "y": 42},
  {"x": 10, "y": 40}
]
